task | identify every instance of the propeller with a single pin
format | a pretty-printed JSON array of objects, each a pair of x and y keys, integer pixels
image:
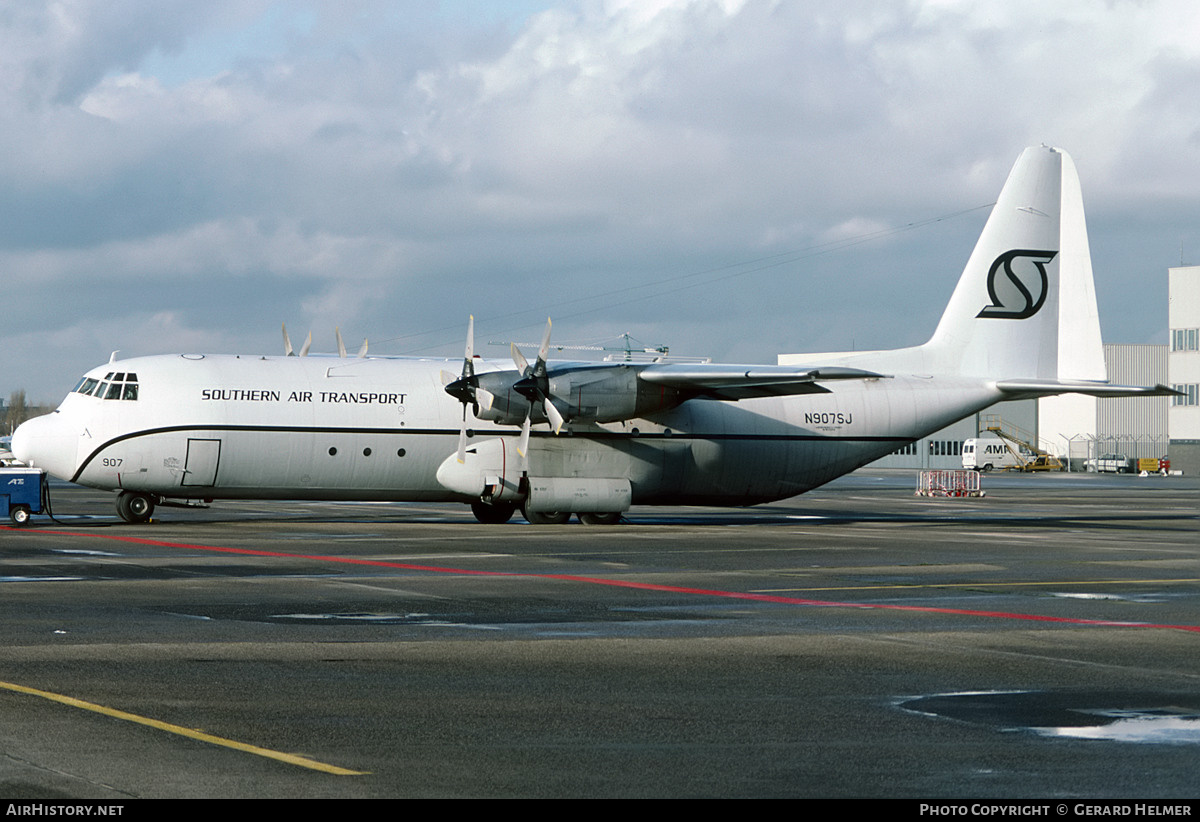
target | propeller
[
  {"x": 534, "y": 385},
  {"x": 287, "y": 344},
  {"x": 466, "y": 388}
]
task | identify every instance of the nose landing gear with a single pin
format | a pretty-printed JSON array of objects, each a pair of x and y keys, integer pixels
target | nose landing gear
[{"x": 134, "y": 507}]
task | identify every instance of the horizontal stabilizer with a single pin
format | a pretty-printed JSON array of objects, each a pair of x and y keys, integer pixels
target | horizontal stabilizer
[{"x": 1049, "y": 388}]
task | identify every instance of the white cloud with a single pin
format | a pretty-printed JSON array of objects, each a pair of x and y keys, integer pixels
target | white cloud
[{"x": 394, "y": 168}]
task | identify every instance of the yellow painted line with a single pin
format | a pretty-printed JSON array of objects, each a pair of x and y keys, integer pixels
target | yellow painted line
[
  {"x": 981, "y": 584},
  {"x": 291, "y": 759}
]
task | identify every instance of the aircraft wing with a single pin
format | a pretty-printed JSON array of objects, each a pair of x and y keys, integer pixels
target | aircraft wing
[
  {"x": 1047, "y": 388},
  {"x": 739, "y": 382}
]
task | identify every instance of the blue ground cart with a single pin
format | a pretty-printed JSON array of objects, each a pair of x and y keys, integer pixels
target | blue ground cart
[{"x": 21, "y": 493}]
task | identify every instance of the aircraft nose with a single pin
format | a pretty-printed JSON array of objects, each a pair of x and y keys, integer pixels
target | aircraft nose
[{"x": 44, "y": 442}]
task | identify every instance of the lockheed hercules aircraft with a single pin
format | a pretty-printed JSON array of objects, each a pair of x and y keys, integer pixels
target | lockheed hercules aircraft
[{"x": 192, "y": 428}]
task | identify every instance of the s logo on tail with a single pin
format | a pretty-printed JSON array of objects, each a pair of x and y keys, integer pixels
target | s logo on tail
[{"x": 1031, "y": 285}]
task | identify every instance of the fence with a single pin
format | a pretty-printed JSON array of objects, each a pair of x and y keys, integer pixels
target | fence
[{"x": 957, "y": 483}]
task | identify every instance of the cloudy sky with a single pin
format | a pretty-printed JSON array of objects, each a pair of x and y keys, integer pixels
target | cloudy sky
[{"x": 733, "y": 178}]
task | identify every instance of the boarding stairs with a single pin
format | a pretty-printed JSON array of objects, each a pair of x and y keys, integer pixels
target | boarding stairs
[{"x": 1021, "y": 444}]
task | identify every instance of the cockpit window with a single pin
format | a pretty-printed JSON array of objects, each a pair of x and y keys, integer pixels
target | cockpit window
[{"x": 118, "y": 386}]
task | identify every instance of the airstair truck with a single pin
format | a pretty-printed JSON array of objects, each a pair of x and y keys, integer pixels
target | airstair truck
[{"x": 1008, "y": 448}]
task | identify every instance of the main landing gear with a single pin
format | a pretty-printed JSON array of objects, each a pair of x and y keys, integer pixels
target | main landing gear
[
  {"x": 134, "y": 507},
  {"x": 546, "y": 517}
]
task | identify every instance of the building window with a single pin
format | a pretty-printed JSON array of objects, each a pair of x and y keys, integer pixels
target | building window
[
  {"x": 945, "y": 448},
  {"x": 1190, "y": 394},
  {"x": 1185, "y": 339}
]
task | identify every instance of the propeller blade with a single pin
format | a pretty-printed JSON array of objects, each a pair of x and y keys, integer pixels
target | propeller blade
[
  {"x": 545, "y": 347},
  {"x": 362, "y": 352},
  {"x": 462, "y": 438},
  {"x": 307, "y": 345},
  {"x": 523, "y": 442},
  {"x": 287, "y": 343},
  {"x": 341, "y": 344},
  {"x": 468, "y": 371},
  {"x": 519, "y": 359},
  {"x": 465, "y": 387},
  {"x": 555, "y": 418},
  {"x": 484, "y": 398}
]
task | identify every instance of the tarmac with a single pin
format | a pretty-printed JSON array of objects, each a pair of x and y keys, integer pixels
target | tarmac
[{"x": 858, "y": 641}]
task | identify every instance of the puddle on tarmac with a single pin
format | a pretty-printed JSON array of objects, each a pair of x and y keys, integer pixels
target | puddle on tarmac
[
  {"x": 40, "y": 579},
  {"x": 1143, "y": 598},
  {"x": 1109, "y": 716}
]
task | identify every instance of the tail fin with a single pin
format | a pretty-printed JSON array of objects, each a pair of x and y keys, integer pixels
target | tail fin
[{"x": 1025, "y": 306}]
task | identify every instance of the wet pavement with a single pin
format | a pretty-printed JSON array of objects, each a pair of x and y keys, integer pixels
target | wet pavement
[{"x": 858, "y": 641}]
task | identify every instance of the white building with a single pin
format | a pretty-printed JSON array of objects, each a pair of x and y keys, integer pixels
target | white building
[{"x": 1183, "y": 366}]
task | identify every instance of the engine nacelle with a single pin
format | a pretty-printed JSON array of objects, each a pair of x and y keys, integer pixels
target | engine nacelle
[
  {"x": 491, "y": 470},
  {"x": 601, "y": 392}
]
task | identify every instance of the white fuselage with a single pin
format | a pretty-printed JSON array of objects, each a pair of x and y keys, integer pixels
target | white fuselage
[{"x": 225, "y": 427}]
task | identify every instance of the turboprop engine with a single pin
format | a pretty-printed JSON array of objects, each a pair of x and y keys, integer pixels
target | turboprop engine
[
  {"x": 568, "y": 392},
  {"x": 495, "y": 471},
  {"x": 580, "y": 392}
]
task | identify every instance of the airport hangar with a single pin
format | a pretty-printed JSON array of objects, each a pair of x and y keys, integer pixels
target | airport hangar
[{"x": 1078, "y": 429}]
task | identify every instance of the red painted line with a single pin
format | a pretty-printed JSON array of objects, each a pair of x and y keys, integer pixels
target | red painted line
[{"x": 618, "y": 583}]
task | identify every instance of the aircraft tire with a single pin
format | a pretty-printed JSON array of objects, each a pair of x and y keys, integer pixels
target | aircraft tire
[
  {"x": 19, "y": 514},
  {"x": 492, "y": 513},
  {"x": 611, "y": 518},
  {"x": 134, "y": 508},
  {"x": 546, "y": 517}
]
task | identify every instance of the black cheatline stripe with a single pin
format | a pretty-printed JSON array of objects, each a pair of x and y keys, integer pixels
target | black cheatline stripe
[{"x": 453, "y": 432}]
